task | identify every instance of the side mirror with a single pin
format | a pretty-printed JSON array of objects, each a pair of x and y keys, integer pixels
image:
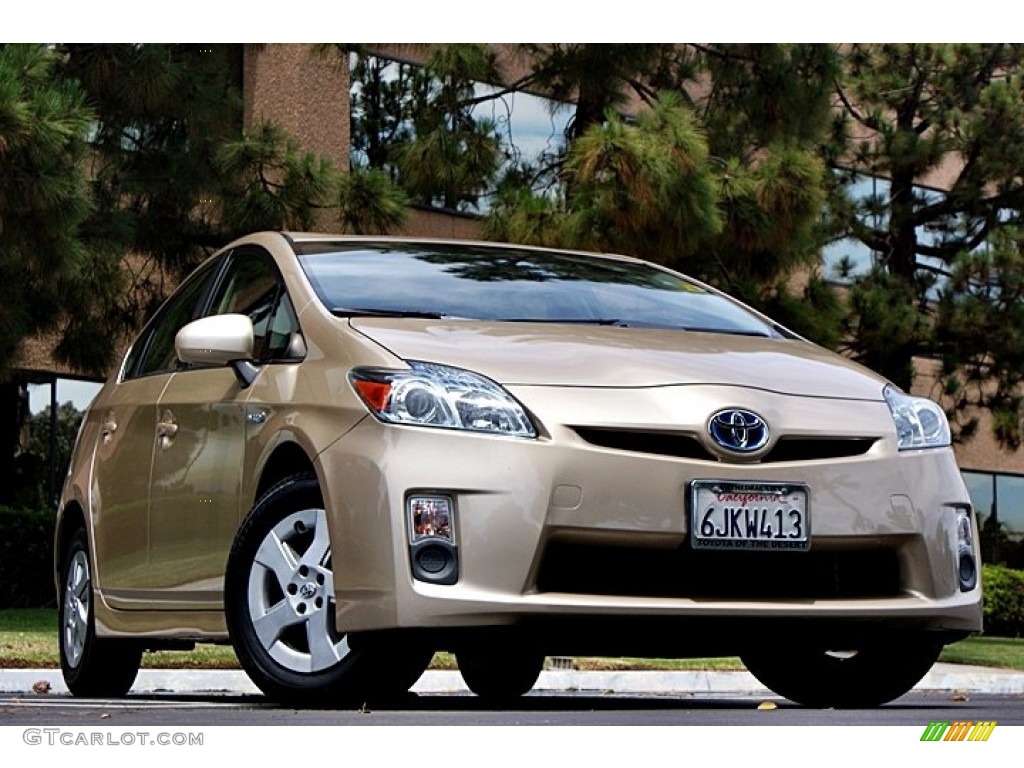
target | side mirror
[
  {"x": 219, "y": 340},
  {"x": 215, "y": 340}
]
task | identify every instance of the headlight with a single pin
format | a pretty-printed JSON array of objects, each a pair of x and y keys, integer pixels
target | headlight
[
  {"x": 920, "y": 423},
  {"x": 432, "y": 395}
]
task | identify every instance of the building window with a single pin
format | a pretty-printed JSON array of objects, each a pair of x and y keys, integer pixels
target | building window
[
  {"x": 998, "y": 500},
  {"x": 55, "y": 406},
  {"x": 480, "y": 136},
  {"x": 848, "y": 258}
]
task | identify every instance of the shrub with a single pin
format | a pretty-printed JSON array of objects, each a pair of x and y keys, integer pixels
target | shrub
[
  {"x": 26, "y": 558},
  {"x": 1004, "y": 601}
]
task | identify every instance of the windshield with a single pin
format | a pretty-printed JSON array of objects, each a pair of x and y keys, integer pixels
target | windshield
[{"x": 512, "y": 285}]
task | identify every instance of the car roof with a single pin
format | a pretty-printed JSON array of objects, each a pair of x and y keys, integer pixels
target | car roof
[{"x": 317, "y": 237}]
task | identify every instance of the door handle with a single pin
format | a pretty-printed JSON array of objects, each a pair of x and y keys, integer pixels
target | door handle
[
  {"x": 107, "y": 429},
  {"x": 166, "y": 429}
]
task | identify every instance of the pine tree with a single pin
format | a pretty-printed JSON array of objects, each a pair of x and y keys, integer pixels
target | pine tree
[
  {"x": 946, "y": 262},
  {"x": 717, "y": 175},
  {"x": 121, "y": 167},
  {"x": 50, "y": 279}
]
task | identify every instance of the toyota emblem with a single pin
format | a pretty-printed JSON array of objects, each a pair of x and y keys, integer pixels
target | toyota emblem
[{"x": 738, "y": 430}]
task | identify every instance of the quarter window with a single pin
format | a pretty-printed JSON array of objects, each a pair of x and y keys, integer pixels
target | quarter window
[{"x": 252, "y": 286}]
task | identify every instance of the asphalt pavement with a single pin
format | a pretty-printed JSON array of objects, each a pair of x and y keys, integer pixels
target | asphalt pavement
[{"x": 942, "y": 677}]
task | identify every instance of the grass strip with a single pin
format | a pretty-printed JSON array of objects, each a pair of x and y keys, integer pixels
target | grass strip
[{"x": 28, "y": 639}]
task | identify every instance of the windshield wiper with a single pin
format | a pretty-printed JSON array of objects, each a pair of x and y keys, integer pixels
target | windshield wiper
[
  {"x": 568, "y": 320},
  {"x": 728, "y": 331},
  {"x": 363, "y": 312}
]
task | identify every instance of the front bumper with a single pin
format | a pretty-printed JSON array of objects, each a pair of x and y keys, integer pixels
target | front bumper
[{"x": 559, "y": 531}]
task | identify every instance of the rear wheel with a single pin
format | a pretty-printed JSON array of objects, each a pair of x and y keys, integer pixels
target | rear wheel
[
  {"x": 92, "y": 666},
  {"x": 279, "y": 598},
  {"x": 500, "y": 676},
  {"x": 868, "y": 676}
]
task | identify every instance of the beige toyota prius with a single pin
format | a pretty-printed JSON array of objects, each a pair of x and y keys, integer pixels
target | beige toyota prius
[{"x": 344, "y": 454}]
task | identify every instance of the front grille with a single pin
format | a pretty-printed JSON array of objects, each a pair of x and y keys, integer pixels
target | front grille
[
  {"x": 592, "y": 569},
  {"x": 816, "y": 449},
  {"x": 660, "y": 443},
  {"x": 686, "y": 446}
]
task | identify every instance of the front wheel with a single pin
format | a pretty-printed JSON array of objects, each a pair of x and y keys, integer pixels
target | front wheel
[
  {"x": 279, "y": 600},
  {"x": 867, "y": 676},
  {"x": 92, "y": 666}
]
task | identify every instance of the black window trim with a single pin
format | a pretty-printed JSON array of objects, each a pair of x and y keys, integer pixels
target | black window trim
[
  {"x": 218, "y": 273},
  {"x": 199, "y": 310}
]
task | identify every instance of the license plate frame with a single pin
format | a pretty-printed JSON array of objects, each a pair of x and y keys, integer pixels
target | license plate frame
[{"x": 750, "y": 515}]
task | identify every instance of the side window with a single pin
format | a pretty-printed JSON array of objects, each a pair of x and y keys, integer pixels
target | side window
[
  {"x": 156, "y": 345},
  {"x": 252, "y": 286}
]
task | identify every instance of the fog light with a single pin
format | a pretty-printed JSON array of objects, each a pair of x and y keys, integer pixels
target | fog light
[
  {"x": 432, "y": 547},
  {"x": 967, "y": 566},
  {"x": 430, "y": 517}
]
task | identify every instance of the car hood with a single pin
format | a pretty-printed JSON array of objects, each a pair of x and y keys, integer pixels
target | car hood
[{"x": 597, "y": 356}]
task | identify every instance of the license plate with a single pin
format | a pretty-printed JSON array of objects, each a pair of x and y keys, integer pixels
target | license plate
[{"x": 732, "y": 515}]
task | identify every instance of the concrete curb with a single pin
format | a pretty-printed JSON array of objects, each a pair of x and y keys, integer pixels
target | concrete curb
[{"x": 942, "y": 677}]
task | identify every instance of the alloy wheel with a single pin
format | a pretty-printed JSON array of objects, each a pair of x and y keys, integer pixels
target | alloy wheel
[
  {"x": 77, "y": 598},
  {"x": 291, "y": 595}
]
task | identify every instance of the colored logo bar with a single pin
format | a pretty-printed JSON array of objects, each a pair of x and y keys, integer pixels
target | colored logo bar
[{"x": 959, "y": 730}]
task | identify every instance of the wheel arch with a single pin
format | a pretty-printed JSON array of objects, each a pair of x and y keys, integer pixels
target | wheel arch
[
  {"x": 71, "y": 518},
  {"x": 286, "y": 459}
]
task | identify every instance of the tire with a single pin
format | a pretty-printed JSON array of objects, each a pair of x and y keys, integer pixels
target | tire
[
  {"x": 500, "y": 677},
  {"x": 869, "y": 676},
  {"x": 279, "y": 607},
  {"x": 92, "y": 666}
]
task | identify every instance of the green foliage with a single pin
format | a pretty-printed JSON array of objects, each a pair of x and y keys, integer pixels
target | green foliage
[
  {"x": 111, "y": 149},
  {"x": 722, "y": 181},
  {"x": 270, "y": 184},
  {"x": 521, "y": 216},
  {"x": 911, "y": 111},
  {"x": 416, "y": 123},
  {"x": 980, "y": 320},
  {"x": 772, "y": 207},
  {"x": 706, "y": 177},
  {"x": 448, "y": 166},
  {"x": 815, "y": 311},
  {"x": 108, "y": 150},
  {"x": 370, "y": 203},
  {"x": 161, "y": 112},
  {"x": 766, "y": 95},
  {"x": 31, "y": 481},
  {"x": 26, "y": 558},
  {"x": 49, "y": 279},
  {"x": 884, "y": 318},
  {"x": 1004, "y": 601},
  {"x": 643, "y": 188}
]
